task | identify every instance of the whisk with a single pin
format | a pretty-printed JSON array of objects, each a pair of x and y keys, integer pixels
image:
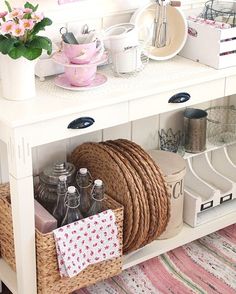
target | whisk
[{"x": 159, "y": 39}]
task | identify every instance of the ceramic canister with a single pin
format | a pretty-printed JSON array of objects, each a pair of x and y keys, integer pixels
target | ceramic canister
[{"x": 173, "y": 167}]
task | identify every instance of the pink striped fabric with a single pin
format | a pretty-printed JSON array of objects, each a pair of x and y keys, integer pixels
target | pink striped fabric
[{"x": 205, "y": 266}]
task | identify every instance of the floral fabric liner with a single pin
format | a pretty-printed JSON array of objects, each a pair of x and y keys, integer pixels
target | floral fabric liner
[{"x": 87, "y": 241}]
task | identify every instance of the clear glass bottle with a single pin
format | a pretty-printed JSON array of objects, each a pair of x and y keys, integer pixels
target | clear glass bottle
[
  {"x": 46, "y": 190},
  {"x": 84, "y": 182},
  {"x": 72, "y": 203},
  {"x": 60, "y": 208},
  {"x": 98, "y": 196}
]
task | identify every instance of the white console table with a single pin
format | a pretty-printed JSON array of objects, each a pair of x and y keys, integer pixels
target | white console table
[{"x": 24, "y": 125}]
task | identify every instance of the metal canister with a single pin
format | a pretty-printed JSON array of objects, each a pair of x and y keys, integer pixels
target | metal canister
[
  {"x": 48, "y": 179},
  {"x": 195, "y": 123}
]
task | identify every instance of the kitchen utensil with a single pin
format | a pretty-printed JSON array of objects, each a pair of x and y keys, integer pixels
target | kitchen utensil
[
  {"x": 155, "y": 24},
  {"x": 68, "y": 37},
  {"x": 161, "y": 37}
]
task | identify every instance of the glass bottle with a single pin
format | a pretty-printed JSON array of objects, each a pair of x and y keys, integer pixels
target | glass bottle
[
  {"x": 48, "y": 179},
  {"x": 60, "y": 208},
  {"x": 84, "y": 182},
  {"x": 72, "y": 202},
  {"x": 97, "y": 194}
]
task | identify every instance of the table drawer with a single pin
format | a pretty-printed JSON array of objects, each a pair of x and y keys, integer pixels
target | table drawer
[
  {"x": 56, "y": 129},
  {"x": 230, "y": 86},
  {"x": 158, "y": 103}
]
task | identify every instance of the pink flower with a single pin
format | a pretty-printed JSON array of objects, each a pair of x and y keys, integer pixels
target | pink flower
[
  {"x": 37, "y": 16},
  {"x": 7, "y": 27},
  {"x": 27, "y": 24},
  {"x": 17, "y": 12},
  {"x": 3, "y": 14},
  {"x": 18, "y": 30},
  {"x": 27, "y": 10}
]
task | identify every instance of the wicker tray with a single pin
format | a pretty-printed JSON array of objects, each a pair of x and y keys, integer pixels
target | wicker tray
[{"x": 48, "y": 277}]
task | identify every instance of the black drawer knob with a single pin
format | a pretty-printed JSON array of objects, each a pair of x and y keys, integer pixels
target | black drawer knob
[
  {"x": 179, "y": 98},
  {"x": 81, "y": 123}
]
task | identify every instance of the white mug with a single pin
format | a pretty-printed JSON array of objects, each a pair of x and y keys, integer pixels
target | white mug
[{"x": 122, "y": 42}]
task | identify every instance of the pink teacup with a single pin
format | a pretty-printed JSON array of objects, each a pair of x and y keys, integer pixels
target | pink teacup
[
  {"x": 81, "y": 76},
  {"x": 82, "y": 53}
]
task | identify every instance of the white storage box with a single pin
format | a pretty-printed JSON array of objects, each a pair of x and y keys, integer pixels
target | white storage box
[
  {"x": 209, "y": 45},
  {"x": 47, "y": 67}
]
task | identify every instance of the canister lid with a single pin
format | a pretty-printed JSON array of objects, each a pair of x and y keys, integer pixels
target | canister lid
[
  {"x": 171, "y": 164},
  {"x": 51, "y": 174}
]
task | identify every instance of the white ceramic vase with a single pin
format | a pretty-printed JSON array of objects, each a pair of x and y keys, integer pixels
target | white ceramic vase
[{"x": 17, "y": 78}]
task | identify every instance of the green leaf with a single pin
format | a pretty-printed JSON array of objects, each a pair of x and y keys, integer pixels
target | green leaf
[
  {"x": 40, "y": 26},
  {"x": 29, "y": 5},
  {"x": 6, "y": 45},
  {"x": 32, "y": 53},
  {"x": 17, "y": 52},
  {"x": 8, "y": 6},
  {"x": 43, "y": 43}
]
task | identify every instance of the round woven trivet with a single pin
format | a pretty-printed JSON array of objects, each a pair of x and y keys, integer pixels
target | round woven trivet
[
  {"x": 152, "y": 193},
  {"x": 104, "y": 164},
  {"x": 163, "y": 200},
  {"x": 141, "y": 194}
]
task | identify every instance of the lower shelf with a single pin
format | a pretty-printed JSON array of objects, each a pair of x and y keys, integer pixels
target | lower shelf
[
  {"x": 8, "y": 276},
  {"x": 188, "y": 234}
]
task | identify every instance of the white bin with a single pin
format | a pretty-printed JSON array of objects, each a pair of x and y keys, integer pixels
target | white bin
[{"x": 173, "y": 167}]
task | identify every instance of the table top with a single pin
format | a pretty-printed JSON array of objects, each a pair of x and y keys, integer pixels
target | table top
[{"x": 158, "y": 77}]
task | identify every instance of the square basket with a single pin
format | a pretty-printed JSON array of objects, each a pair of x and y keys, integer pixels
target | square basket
[{"x": 48, "y": 277}]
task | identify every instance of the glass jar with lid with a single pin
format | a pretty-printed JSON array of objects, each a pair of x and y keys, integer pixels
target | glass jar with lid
[{"x": 46, "y": 190}]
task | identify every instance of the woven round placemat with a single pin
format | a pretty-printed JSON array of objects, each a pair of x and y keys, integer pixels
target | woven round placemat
[
  {"x": 141, "y": 194},
  {"x": 145, "y": 174},
  {"x": 104, "y": 164},
  {"x": 162, "y": 200}
]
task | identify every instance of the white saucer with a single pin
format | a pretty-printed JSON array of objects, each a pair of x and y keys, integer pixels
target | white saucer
[{"x": 62, "y": 82}]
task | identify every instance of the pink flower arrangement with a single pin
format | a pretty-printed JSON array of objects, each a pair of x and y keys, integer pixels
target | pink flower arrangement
[{"x": 18, "y": 32}]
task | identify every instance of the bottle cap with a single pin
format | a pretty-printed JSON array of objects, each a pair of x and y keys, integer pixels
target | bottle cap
[
  {"x": 71, "y": 189},
  {"x": 98, "y": 183},
  {"x": 63, "y": 178},
  {"x": 83, "y": 171}
]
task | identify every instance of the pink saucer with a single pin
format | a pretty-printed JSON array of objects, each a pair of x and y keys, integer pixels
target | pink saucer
[
  {"x": 62, "y": 59},
  {"x": 62, "y": 82}
]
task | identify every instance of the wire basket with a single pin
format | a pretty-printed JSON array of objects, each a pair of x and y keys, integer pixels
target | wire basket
[
  {"x": 221, "y": 125},
  {"x": 223, "y": 11}
]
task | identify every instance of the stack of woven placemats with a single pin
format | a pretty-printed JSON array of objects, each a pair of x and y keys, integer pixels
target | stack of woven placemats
[{"x": 133, "y": 179}]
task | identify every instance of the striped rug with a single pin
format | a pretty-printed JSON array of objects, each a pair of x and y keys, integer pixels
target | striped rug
[{"x": 205, "y": 266}]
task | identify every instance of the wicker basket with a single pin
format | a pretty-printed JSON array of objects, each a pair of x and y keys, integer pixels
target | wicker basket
[{"x": 48, "y": 277}]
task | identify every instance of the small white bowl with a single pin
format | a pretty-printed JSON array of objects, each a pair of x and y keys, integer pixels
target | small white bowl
[{"x": 177, "y": 31}]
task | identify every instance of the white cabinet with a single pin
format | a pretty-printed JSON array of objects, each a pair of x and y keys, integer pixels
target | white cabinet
[{"x": 24, "y": 125}]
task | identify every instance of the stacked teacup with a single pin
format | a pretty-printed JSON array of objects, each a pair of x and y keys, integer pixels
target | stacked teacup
[{"x": 80, "y": 58}]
